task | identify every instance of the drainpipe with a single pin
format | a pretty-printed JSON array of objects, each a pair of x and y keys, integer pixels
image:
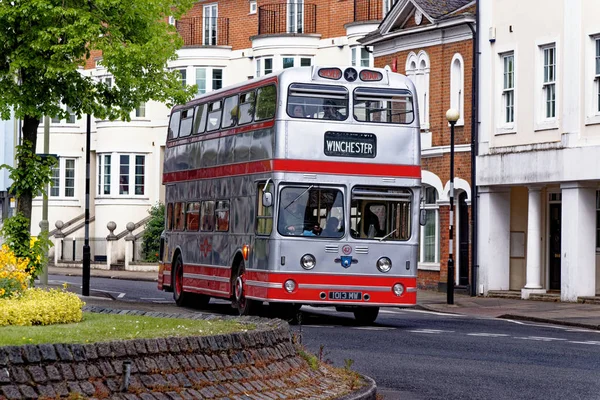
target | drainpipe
[{"x": 474, "y": 150}]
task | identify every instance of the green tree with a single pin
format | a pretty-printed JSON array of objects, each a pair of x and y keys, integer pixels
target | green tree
[
  {"x": 45, "y": 43},
  {"x": 154, "y": 228}
]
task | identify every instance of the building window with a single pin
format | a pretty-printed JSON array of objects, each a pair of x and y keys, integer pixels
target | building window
[
  {"x": 429, "y": 251},
  {"x": 360, "y": 57},
  {"x": 257, "y": 73},
  {"x": 288, "y": 62},
  {"x": 140, "y": 111},
  {"x": 305, "y": 62},
  {"x": 457, "y": 87},
  {"x": 295, "y": 16},
  {"x": 508, "y": 89},
  {"x": 172, "y": 20},
  {"x": 210, "y": 25},
  {"x": 71, "y": 119},
  {"x": 597, "y": 74},
  {"x": 549, "y": 84},
  {"x": 208, "y": 79},
  {"x": 63, "y": 178},
  {"x": 253, "y": 7},
  {"x": 387, "y": 6},
  {"x": 183, "y": 76},
  {"x": 131, "y": 175},
  {"x": 417, "y": 69}
]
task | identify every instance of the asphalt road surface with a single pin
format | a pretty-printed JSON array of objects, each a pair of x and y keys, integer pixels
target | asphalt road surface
[{"x": 414, "y": 354}]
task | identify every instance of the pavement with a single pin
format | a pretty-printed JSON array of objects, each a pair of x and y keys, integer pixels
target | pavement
[{"x": 553, "y": 312}]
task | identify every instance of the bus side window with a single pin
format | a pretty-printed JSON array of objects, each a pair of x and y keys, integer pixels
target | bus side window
[
  {"x": 266, "y": 101},
  {"x": 174, "y": 125},
  {"x": 246, "y": 113},
  {"x": 169, "y": 222},
  {"x": 179, "y": 217},
  {"x": 222, "y": 213},
  {"x": 230, "y": 112},
  {"x": 192, "y": 222},
  {"x": 264, "y": 215},
  {"x": 200, "y": 119},
  {"x": 207, "y": 216},
  {"x": 214, "y": 116},
  {"x": 185, "y": 127}
]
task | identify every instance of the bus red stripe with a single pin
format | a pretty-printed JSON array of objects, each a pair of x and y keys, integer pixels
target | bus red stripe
[{"x": 301, "y": 166}]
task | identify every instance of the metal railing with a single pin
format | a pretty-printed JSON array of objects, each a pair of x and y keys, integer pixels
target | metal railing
[
  {"x": 367, "y": 10},
  {"x": 293, "y": 17},
  {"x": 201, "y": 31}
]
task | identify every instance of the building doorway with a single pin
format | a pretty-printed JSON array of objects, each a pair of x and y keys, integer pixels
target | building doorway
[
  {"x": 463, "y": 240},
  {"x": 554, "y": 247}
]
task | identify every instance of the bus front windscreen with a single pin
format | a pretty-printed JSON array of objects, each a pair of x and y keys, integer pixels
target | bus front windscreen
[{"x": 311, "y": 211}]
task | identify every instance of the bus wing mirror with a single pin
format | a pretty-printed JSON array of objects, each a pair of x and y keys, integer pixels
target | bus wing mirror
[
  {"x": 267, "y": 199},
  {"x": 422, "y": 217}
]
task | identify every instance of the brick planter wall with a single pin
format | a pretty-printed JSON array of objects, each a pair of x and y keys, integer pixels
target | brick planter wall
[{"x": 258, "y": 364}]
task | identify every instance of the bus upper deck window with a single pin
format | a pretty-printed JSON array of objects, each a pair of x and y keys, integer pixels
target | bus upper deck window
[
  {"x": 317, "y": 101},
  {"x": 230, "y": 112},
  {"x": 200, "y": 118},
  {"x": 185, "y": 126},
  {"x": 174, "y": 125},
  {"x": 266, "y": 102},
  {"x": 246, "y": 114},
  {"x": 214, "y": 116},
  {"x": 382, "y": 105}
]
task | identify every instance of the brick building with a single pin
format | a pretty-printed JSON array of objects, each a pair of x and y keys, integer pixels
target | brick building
[
  {"x": 225, "y": 42},
  {"x": 432, "y": 42}
]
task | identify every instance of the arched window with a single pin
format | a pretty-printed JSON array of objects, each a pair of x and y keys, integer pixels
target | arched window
[
  {"x": 429, "y": 249},
  {"x": 417, "y": 69},
  {"x": 457, "y": 87}
]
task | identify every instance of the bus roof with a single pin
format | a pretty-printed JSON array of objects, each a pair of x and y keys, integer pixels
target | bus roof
[{"x": 315, "y": 74}]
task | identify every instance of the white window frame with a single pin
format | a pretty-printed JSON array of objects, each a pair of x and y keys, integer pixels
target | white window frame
[
  {"x": 592, "y": 86},
  {"x": 435, "y": 265},
  {"x": 253, "y": 7},
  {"x": 140, "y": 111},
  {"x": 172, "y": 20},
  {"x": 354, "y": 61},
  {"x": 260, "y": 65},
  {"x": 457, "y": 87},
  {"x": 72, "y": 120},
  {"x": 387, "y": 6},
  {"x": 297, "y": 60},
  {"x": 209, "y": 77},
  {"x": 62, "y": 179},
  {"x": 418, "y": 69},
  {"x": 210, "y": 13},
  {"x": 115, "y": 175},
  {"x": 183, "y": 75},
  {"x": 295, "y": 16},
  {"x": 542, "y": 122}
]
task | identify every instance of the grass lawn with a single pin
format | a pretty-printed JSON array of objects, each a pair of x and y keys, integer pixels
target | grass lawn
[{"x": 106, "y": 327}]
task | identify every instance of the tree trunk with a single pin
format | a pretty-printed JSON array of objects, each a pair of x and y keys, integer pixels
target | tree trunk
[{"x": 30, "y": 128}]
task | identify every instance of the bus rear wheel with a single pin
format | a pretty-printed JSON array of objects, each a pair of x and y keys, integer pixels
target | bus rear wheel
[
  {"x": 244, "y": 305},
  {"x": 366, "y": 315},
  {"x": 181, "y": 298}
]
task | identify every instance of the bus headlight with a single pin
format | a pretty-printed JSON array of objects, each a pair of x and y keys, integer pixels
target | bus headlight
[
  {"x": 398, "y": 289},
  {"x": 384, "y": 264},
  {"x": 308, "y": 261},
  {"x": 290, "y": 285}
]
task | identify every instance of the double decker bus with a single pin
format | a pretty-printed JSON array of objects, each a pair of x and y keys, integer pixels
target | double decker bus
[{"x": 297, "y": 188}]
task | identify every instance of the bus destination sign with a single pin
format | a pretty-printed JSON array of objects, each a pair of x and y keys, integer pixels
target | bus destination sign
[{"x": 350, "y": 144}]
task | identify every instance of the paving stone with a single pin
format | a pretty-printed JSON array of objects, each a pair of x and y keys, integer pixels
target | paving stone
[
  {"x": 28, "y": 392},
  {"x": 173, "y": 362},
  {"x": 74, "y": 387},
  {"x": 147, "y": 396},
  {"x": 113, "y": 384},
  {"x": 46, "y": 391},
  {"x": 159, "y": 380},
  {"x": 61, "y": 389},
  {"x": 91, "y": 352},
  {"x": 160, "y": 396},
  {"x": 4, "y": 375},
  {"x": 140, "y": 346},
  {"x": 78, "y": 352},
  {"x": 106, "y": 369},
  {"x": 173, "y": 396},
  {"x": 118, "y": 349},
  {"x": 37, "y": 373},
  {"x": 14, "y": 354},
  {"x": 183, "y": 362},
  {"x": 163, "y": 364},
  {"x": 103, "y": 350},
  {"x": 151, "y": 364},
  {"x": 162, "y": 345},
  {"x": 87, "y": 388},
  {"x": 147, "y": 381},
  {"x": 173, "y": 346},
  {"x": 152, "y": 346},
  {"x": 206, "y": 393},
  {"x": 19, "y": 375},
  {"x": 64, "y": 353},
  {"x": 93, "y": 371},
  {"x": 11, "y": 392},
  {"x": 31, "y": 353},
  {"x": 172, "y": 380},
  {"x": 100, "y": 389},
  {"x": 52, "y": 373},
  {"x": 130, "y": 396},
  {"x": 67, "y": 372},
  {"x": 183, "y": 380},
  {"x": 80, "y": 371}
]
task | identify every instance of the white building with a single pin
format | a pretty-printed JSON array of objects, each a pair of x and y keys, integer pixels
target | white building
[{"x": 538, "y": 168}]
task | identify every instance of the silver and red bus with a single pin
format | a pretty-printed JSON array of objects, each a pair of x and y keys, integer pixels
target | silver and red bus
[{"x": 297, "y": 188}]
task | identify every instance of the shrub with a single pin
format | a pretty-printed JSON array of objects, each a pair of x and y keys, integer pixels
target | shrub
[
  {"x": 154, "y": 228},
  {"x": 41, "y": 307},
  {"x": 13, "y": 273}
]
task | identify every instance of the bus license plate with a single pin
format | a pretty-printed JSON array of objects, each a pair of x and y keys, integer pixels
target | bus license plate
[{"x": 345, "y": 296}]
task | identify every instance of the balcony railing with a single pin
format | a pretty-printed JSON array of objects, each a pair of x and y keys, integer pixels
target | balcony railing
[
  {"x": 199, "y": 31},
  {"x": 294, "y": 17},
  {"x": 367, "y": 10}
]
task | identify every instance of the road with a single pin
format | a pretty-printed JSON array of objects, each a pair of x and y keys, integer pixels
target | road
[{"x": 414, "y": 354}]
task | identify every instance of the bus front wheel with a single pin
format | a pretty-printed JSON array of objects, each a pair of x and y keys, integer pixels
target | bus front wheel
[
  {"x": 366, "y": 315},
  {"x": 244, "y": 305},
  {"x": 180, "y": 297}
]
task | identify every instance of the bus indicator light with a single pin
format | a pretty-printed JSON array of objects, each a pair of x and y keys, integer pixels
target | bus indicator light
[
  {"x": 370, "y": 76},
  {"x": 330, "y": 73},
  {"x": 245, "y": 251}
]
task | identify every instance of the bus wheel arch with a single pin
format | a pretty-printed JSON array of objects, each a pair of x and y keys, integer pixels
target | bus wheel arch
[
  {"x": 179, "y": 294},
  {"x": 244, "y": 305}
]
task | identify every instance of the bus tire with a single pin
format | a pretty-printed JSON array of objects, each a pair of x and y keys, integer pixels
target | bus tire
[
  {"x": 244, "y": 306},
  {"x": 179, "y": 295},
  {"x": 366, "y": 315}
]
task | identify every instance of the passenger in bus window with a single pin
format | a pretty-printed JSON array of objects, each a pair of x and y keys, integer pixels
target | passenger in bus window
[
  {"x": 330, "y": 111},
  {"x": 291, "y": 219},
  {"x": 332, "y": 228},
  {"x": 298, "y": 111}
]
